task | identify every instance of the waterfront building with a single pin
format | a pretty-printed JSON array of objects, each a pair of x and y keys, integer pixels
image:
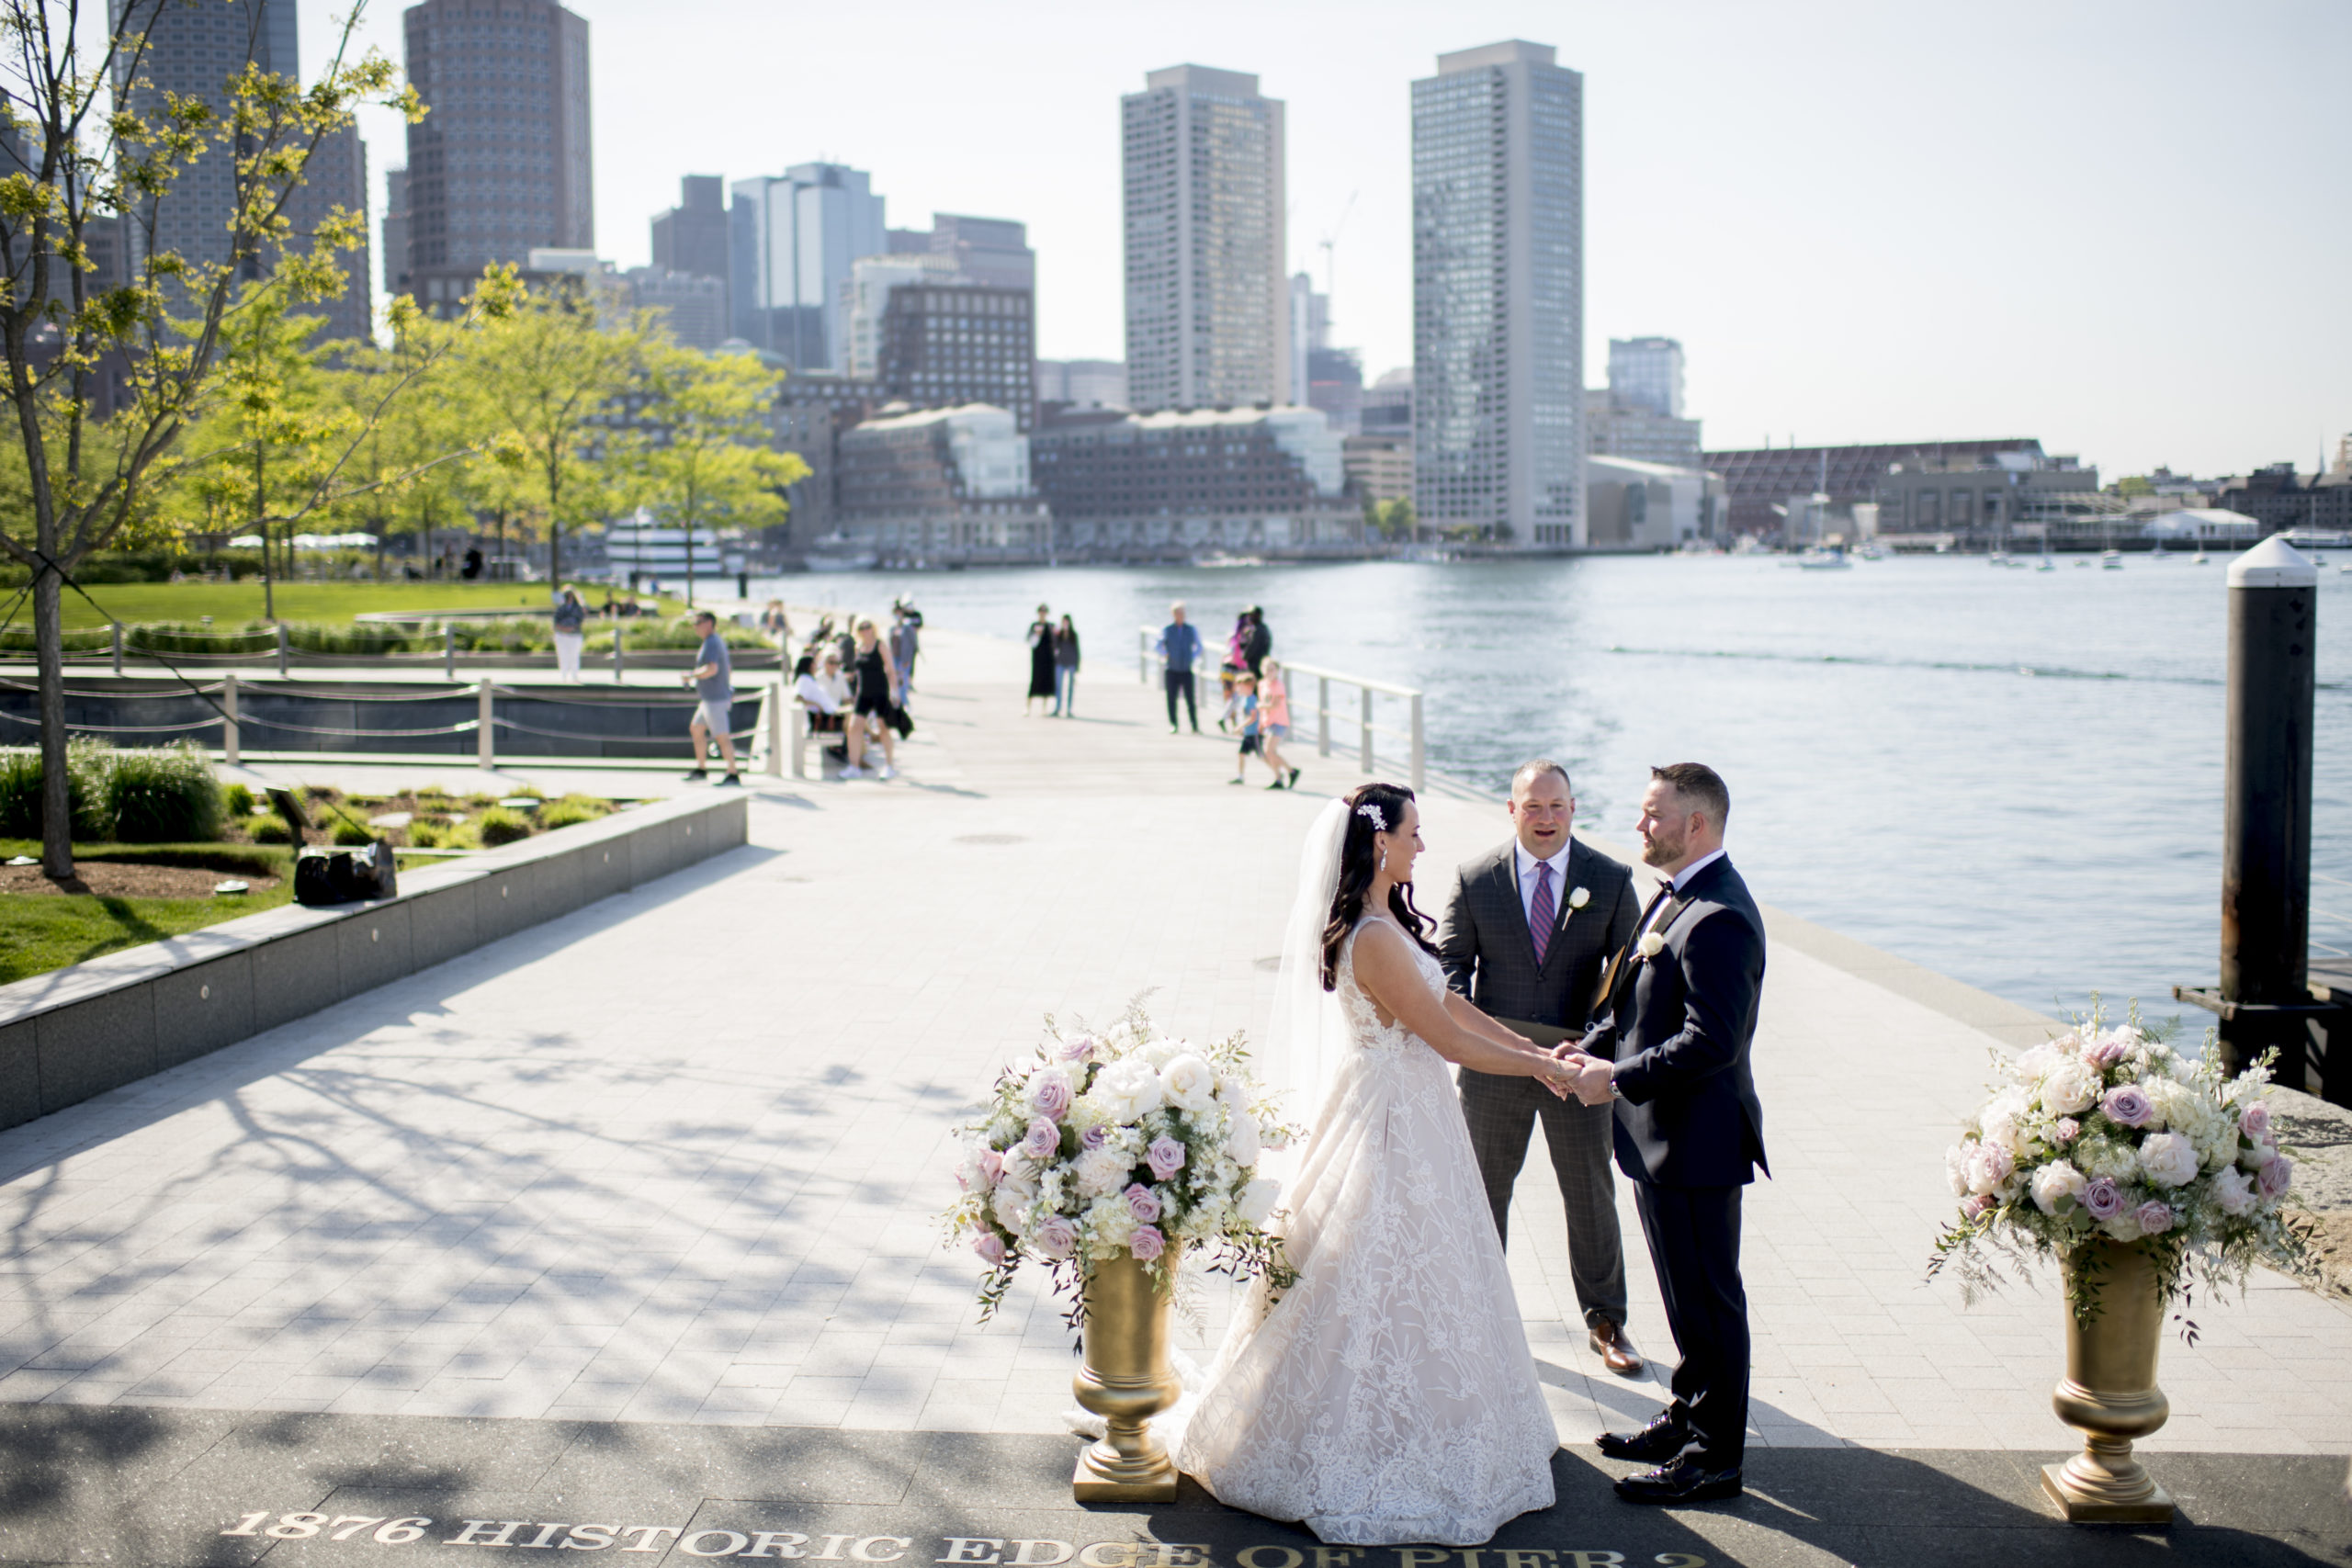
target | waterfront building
[
  {"x": 1615, "y": 428},
  {"x": 867, "y": 297},
  {"x": 941, "y": 484},
  {"x": 691, "y": 237},
  {"x": 1388, "y": 404},
  {"x": 395, "y": 245},
  {"x": 1379, "y": 468},
  {"x": 949, "y": 345},
  {"x": 993, "y": 250},
  {"x": 503, "y": 165},
  {"x": 1183, "y": 481},
  {"x": 192, "y": 52},
  {"x": 1082, "y": 383},
  {"x": 2000, "y": 499},
  {"x": 1646, "y": 373},
  {"x": 1499, "y": 446},
  {"x": 1207, "y": 303},
  {"x": 812, "y": 411},
  {"x": 792, "y": 239},
  {"x": 2282, "y": 499},
  {"x": 1758, "y": 479},
  {"x": 1632, "y": 504},
  {"x": 692, "y": 306}
]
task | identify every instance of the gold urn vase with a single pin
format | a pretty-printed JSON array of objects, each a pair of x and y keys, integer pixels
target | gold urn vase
[
  {"x": 1126, "y": 1381},
  {"x": 2109, "y": 1392}
]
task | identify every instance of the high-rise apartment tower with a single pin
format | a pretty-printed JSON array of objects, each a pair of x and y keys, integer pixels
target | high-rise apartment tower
[
  {"x": 1646, "y": 373},
  {"x": 1499, "y": 439},
  {"x": 792, "y": 239},
  {"x": 502, "y": 164},
  {"x": 1208, "y": 303}
]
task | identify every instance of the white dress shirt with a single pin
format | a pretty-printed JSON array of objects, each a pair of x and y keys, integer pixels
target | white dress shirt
[
  {"x": 1681, "y": 880},
  {"x": 1525, "y": 866}
]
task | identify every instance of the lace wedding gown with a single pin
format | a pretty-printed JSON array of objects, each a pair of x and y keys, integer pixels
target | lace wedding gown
[{"x": 1388, "y": 1396}]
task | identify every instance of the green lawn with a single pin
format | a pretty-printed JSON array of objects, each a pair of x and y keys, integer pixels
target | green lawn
[{"x": 314, "y": 604}]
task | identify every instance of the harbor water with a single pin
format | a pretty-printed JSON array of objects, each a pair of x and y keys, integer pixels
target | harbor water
[{"x": 2010, "y": 777}]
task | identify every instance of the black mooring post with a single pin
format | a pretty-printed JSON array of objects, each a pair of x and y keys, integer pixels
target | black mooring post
[{"x": 2267, "y": 820}]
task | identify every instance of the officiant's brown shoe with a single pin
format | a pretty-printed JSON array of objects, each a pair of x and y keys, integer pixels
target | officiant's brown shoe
[{"x": 1616, "y": 1351}]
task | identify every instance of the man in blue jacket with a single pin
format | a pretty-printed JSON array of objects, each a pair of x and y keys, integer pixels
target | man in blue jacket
[{"x": 1180, "y": 649}]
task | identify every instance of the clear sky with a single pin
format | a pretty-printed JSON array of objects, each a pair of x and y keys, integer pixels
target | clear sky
[{"x": 2123, "y": 228}]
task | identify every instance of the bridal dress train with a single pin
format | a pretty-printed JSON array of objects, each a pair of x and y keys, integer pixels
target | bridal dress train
[{"x": 1388, "y": 1396}]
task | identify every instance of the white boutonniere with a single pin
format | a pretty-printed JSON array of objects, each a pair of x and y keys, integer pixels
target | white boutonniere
[
  {"x": 1651, "y": 944},
  {"x": 1579, "y": 897}
]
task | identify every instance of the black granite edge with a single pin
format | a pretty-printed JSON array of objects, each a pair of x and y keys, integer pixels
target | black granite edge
[{"x": 124, "y": 1485}]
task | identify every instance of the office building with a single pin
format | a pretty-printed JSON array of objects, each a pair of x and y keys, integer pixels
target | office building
[
  {"x": 395, "y": 245},
  {"x": 1177, "y": 482},
  {"x": 1310, "y": 325},
  {"x": 812, "y": 411},
  {"x": 1646, "y": 373},
  {"x": 1207, "y": 301},
  {"x": 1616, "y": 428},
  {"x": 1635, "y": 506},
  {"x": 693, "y": 308},
  {"x": 1388, "y": 404},
  {"x": 1082, "y": 383},
  {"x": 503, "y": 165},
  {"x": 1757, "y": 480},
  {"x": 792, "y": 241},
  {"x": 950, "y": 345},
  {"x": 1379, "y": 468},
  {"x": 193, "y": 52},
  {"x": 1996, "y": 498},
  {"x": 1335, "y": 386},
  {"x": 2282, "y": 501},
  {"x": 943, "y": 484},
  {"x": 867, "y": 296},
  {"x": 1499, "y": 444},
  {"x": 994, "y": 250},
  {"x": 990, "y": 252},
  {"x": 692, "y": 236}
]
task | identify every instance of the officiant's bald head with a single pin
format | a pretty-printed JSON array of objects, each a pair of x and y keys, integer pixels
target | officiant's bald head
[{"x": 1543, "y": 808}]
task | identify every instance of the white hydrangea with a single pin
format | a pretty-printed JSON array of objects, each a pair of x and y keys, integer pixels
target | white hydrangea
[
  {"x": 2170, "y": 1159},
  {"x": 1109, "y": 1221},
  {"x": 2122, "y": 1227},
  {"x": 1102, "y": 1170},
  {"x": 1242, "y": 1143},
  {"x": 2004, "y": 1119},
  {"x": 1161, "y": 1051},
  {"x": 2104, "y": 1156}
]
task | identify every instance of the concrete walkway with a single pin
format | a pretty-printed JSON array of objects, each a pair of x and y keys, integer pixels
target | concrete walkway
[{"x": 677, "y": 1157}]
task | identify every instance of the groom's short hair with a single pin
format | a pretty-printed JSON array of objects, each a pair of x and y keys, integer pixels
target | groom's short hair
[
  {"x": 1699, "y": 786},
  {"x": 1536, "y": 768}
]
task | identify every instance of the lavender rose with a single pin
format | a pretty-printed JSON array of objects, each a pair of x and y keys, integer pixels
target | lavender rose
[
  {"x": 2154, "y": 1218},
  {"x": 1147, "y": 1243},
  {"x": 1057, "y": 1238},
  {"x": 2066, "y": 1130},
  {"x": 2106, "y": 1054},
  {"x": 1166, "y": 1157},
  {"x": 1050, "y": 1093},
  {"x": 1142, "y": 1203},
  {"x": 991, "y": 1166},
  {"x": 991, "y": 1247},
  {"x": 2276, "y": 1176},
  {"x": 1094, "y": 1137},
  {"x": 2254, "y": 1120},
  {"x": 1079, "y": 1048},
  {"x": 1976, "y": 1208},
  {"x": 1042, "y": 1140},
  {"x": 2103, "y": 1197},
  {"x": 2128, "y": 1106}
]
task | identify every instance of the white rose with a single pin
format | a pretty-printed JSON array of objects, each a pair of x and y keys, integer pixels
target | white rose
[
  {"x": 2036, "y": 1063},
  {"x": 1101, "y": 1171},
  {"x": 1257, "y": 1200},
  {"x": 1128, "y": 1089},
  {"x": 2170, "y": 1159},
  {"x": 2234, "y": 1191},
  {"x": 2069, "y": 1087},
  {"x": 1189, "y": 1083},
  {"x": 1008, "y": 1205},
  {"x": 1243, "y": 1144},
  {"x": 1956, "y": 1169},
  {"x": 1579, "y": 897},
  {"x": 1651, "y": 944},
  {"x": 2054, "y": 1181},
  {"x": 2004, "y": 1119},
  {"x": 1234, "y": 1089}
]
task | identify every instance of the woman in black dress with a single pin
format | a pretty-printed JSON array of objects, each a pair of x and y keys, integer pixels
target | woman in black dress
[
  {"x": 877, "y": 682},
  {"x": 1041, "y": 661}
]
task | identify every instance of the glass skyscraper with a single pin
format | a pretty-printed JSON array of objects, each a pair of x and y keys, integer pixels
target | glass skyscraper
[
  {"x": 793, "y": 241},
  {"x": 1498, "y": 437}
]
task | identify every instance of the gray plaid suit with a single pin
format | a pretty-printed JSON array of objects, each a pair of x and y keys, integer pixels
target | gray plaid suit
[{"x": 1489, "y": 957}]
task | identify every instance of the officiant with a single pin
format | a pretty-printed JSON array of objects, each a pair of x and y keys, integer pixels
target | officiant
[{"x": 1528, "y": 928}]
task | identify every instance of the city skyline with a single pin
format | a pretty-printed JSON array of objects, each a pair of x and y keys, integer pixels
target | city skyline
[{"x": 1861, "y": 225}]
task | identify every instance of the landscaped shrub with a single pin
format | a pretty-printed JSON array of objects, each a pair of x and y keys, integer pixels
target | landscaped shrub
[
  {"x": 352, "y": 833},
  {"x": 86, "y": 788},
  {"x": 572, "y": 809},
  {"x": 425, "y": 835},
  {"x": 236, "y": 801},
  {"x": 499, "y": 825},
  {"x": 271, "y": 830},
  {"x": 162, "y": 794}
]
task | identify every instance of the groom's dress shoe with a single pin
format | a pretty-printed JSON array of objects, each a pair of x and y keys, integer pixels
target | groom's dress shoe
[
  {"x": 1660, "y": 1440},
  {"x": 1616, "y": 1351},
  {"x": 1687, "y": 1479}
]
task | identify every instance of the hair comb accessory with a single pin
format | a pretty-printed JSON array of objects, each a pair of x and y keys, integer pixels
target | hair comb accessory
[{"x": 1370, "y": 811}]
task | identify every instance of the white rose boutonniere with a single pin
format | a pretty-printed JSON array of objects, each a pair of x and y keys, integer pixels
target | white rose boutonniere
[
  {"x": 1651, "y": 944},
  {"x": 1579, "y": 897}
]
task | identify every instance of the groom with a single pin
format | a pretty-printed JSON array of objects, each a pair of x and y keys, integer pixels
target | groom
[
  {"x": 1527, "y": 928},
  {"x": 1677, "y": 1015}
]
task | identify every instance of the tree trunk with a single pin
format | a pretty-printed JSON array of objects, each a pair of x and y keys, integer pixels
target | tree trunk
[
  {"x": 261, "y": 526},
  {"x": 555, "y": 556},
  {"x": 56, "y": 793}
]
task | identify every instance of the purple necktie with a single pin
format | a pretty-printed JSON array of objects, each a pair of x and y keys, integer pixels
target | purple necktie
[{"x": 1539, "y": 913}]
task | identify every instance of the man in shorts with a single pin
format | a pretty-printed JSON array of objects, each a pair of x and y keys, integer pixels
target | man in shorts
[{"x": 714, "y": 698}]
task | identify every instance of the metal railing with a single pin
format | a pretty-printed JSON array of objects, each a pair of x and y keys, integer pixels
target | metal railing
[{"x": 1367, "y": 725}]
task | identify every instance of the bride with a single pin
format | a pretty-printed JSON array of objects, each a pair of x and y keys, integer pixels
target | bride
[{"x": 1387, "y": 1397}]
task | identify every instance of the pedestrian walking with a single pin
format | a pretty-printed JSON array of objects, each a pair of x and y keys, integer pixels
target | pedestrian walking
[
  {"x": 1274, "y": 724},
  {"x": 571, "y": 631},
  {"x": 877, "y": 680},
  {"x": 1041, "y": 661},
  {"x": 906, "y": 642},
  {"x": 1257, "y": 641},
  {"x": 713, "y": 681},
  {"x": 776, "y": 627},
  {"x": 1245, "y": 697},
  {"x": 1065, "y": 670},
  {"x": 1180, "y": 649}
]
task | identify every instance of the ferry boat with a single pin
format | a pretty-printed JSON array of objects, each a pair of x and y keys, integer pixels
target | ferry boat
[
  {"x": 2111, "y": 560},
  {"x": 838, "y": 552}
]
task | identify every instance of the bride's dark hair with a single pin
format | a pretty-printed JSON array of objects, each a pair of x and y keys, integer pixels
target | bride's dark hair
[{"x": 1359, "y": 860}]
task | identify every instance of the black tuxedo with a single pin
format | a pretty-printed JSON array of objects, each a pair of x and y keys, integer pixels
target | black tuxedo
[
  {"x": 1690, "y": 1133},
  {"x": 1490, "y": 956}
]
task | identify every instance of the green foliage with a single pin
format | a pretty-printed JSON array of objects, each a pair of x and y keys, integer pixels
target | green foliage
[
  {"x": 500, "y": 825},
  {"x": 87, "y": 765},
  {"x": 572, "y": 809},
  {"x": 270, "y": 831},
  {"x": 236, "y": 801},
  {"x": 163, "y": 794},
  {"x": 1390, "y": 519},
  {"x": 425, "y": 834},
  {"x": 352, "y": 834}
]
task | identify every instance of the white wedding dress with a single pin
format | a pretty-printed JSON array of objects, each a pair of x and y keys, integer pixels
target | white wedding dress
[{"x": 1388, "y": 1397}]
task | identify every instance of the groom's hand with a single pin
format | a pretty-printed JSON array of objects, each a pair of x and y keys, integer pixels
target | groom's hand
[{"x": 1592, "y": 1081}]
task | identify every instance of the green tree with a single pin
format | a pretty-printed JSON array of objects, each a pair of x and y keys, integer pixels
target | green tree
[
  {"x": 702, "y": 457},
  {"x": 73, "y": 156},
  {"x": 1392, "y": 520}
]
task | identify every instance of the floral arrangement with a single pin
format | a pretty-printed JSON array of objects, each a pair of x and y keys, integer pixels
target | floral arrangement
[
  {"x": 2109, "y": 1133},
  {"x": 1127, "y": 1143}
]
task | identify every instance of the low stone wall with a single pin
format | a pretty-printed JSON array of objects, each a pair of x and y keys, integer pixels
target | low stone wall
[{"x": 79, "y": 1032}]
